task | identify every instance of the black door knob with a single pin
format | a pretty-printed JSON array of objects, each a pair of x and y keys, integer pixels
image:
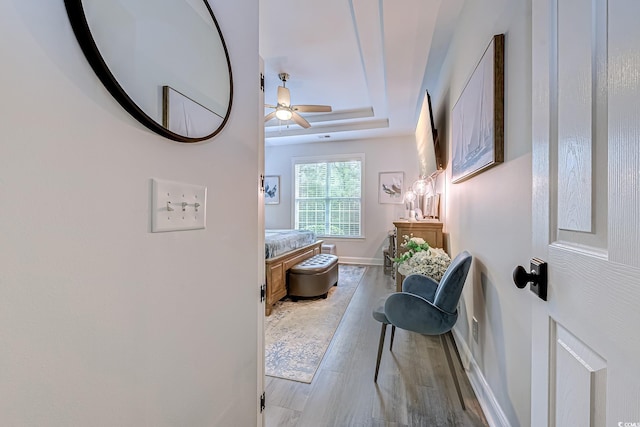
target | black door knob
[
  {"x": 521, "y": 277},
  {"x": 537, "y": 277}
]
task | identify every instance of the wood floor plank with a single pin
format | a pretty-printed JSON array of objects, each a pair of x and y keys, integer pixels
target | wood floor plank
[
  {"x": 382, "y": 423},
  {"x": 425, "y": 407},
  {"x": 321, "y": 410},
  {"x": 281, "y": 417},
  {"x": 287, "y": 394},
  {"x": 357, "y": 364},
  {"x": 390, "y": 403},
  {"x": 414, "y": 387}
]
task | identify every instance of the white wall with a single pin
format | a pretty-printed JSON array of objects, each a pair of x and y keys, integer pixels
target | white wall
[
  {"x": 101, "y": 321},
  {"x": 381, "y": 155},
  {"x": 490, "y": 214}
]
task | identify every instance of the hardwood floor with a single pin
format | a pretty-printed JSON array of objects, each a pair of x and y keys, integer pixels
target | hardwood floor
[{"x": 414, "y": 386}]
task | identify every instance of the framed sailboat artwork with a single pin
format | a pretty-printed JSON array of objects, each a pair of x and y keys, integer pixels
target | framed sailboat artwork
[{"x": 477, "y": 119}]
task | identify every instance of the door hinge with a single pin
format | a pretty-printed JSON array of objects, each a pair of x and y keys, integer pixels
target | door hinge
[
  {"x": 263, "y": 292},
  {"x": 262, "y": 182},
  {"x": 262, "y": 82},
  {"x": 262, "y": 402}
]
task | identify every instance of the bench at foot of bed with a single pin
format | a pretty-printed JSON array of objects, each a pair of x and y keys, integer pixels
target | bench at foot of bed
[{"x": 313, "y": 277}]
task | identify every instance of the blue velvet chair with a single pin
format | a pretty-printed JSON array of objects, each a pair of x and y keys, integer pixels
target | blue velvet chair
[{"x": 426, "y": 307}]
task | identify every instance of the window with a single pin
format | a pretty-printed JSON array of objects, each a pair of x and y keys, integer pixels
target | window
[{"x": 328, "y": 195}]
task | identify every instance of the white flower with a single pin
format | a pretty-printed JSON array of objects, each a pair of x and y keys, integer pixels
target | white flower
[
  {"x": 418, "y": 240},
  {"x": 419, "y": 257},
  {"x": 432, "y": 262}
]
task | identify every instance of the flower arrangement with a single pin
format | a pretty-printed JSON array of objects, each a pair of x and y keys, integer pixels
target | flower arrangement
[
  {"x": 411, "y": 245},
  {"x": 422, "y": 259}
]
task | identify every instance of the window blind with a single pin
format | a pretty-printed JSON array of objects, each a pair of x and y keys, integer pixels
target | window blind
[{"x": 328, "y": 197}]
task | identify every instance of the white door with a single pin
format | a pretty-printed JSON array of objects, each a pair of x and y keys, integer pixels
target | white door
[{"x": 586, "y": 212}]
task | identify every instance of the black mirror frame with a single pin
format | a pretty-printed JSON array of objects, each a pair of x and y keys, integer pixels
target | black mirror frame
[{"x": 81, "y": 29}]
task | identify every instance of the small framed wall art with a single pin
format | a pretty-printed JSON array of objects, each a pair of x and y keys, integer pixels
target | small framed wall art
[
  {"x": 271, "y": 189},
  {"x": 390, "y": 186}
]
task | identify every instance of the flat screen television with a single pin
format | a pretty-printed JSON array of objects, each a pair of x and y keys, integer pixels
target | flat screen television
[
  {"x": 427, "y": 140},
  {"x": 434, "y": 132}
]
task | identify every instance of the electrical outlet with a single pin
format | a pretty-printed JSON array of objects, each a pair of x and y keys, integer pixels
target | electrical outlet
[{"x": 474, "y": 329}]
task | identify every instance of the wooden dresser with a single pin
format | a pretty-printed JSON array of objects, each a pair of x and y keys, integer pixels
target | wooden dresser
[{"x": 430, "y": 231}]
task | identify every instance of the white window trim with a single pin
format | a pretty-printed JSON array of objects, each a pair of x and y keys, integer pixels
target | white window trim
[{"x": 331, "y": 158}]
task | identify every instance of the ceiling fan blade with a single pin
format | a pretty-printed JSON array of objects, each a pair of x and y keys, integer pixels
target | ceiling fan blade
[
  {"x": 269, "y": 106},
  {"x": 300, "y": 120},
  {"x": 312, "y": 108},
  {"x": 269, "y": 116},
  {"x": 284, "y": 97}
]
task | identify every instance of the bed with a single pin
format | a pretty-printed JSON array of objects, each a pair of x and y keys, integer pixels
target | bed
[
  {"x": 283, "y": 250},
  {"x": 278, "y": 242}
]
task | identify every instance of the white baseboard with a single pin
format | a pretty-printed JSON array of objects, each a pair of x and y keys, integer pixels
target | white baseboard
[
  {"x": 359, "y": 261},
  {"x": 490, "y": 406}
]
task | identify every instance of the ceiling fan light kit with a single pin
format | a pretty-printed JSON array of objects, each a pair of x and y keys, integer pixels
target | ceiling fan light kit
[{"x": 285, "y": 111}]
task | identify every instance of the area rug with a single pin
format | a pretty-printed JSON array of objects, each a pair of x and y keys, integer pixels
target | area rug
[{"x": 297, "y": 334}]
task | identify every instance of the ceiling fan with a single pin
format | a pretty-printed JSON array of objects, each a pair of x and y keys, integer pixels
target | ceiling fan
[{"x": 285, "y": 111}]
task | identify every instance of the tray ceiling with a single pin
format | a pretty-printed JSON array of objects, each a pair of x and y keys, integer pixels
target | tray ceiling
[{"x": 370, "y": 60}]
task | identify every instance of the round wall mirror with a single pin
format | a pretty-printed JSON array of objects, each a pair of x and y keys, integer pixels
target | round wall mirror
[{"x": 164, "y": 61}]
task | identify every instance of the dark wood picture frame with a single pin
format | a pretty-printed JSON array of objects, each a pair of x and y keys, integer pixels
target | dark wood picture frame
[{"x": 477, "y": 119}]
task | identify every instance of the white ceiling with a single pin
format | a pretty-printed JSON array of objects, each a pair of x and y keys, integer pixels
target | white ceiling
[{"x": 371, "y": 60}]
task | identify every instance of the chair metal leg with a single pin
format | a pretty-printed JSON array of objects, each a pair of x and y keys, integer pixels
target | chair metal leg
[
  {"x": 452, "y": 369},
  {"x": 393, "y": 333},
  {"x": 380, "y": 345},
  {"x": 455, "y": 347}
]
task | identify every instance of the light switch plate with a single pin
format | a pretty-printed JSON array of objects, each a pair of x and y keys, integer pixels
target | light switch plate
[{"x": 177, "y": 206}]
